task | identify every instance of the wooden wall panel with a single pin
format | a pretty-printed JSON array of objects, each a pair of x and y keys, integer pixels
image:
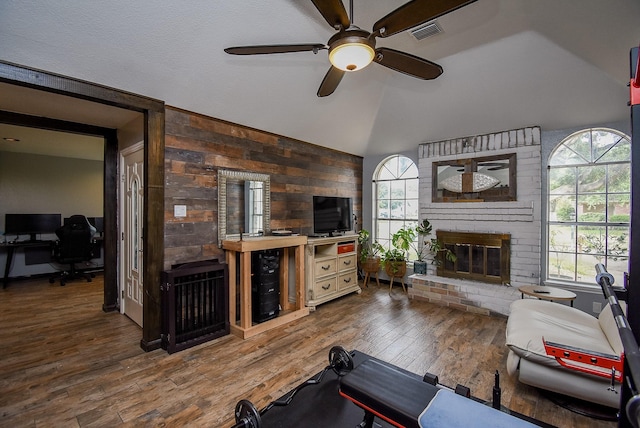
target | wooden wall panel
[{"x": 197, "y": 146}]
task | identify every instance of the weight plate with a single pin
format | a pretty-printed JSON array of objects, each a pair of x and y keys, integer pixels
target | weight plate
[
  {"x": 340, "y": 360},
  {"x": 247, "y": 413}
]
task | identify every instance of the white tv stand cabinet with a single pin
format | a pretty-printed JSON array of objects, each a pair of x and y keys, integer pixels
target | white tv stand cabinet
[{"x": 331, "y": 266}]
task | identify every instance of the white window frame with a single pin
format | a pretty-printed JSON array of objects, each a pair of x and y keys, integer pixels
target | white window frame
[
  {"x": 558, "y": 247},
  {"x": 395, "y": 218}
]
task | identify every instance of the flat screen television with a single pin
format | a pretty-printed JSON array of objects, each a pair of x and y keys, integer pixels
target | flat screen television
[
  {"x": 332, "y": 215},
  {"x": 31, "y": 224}
]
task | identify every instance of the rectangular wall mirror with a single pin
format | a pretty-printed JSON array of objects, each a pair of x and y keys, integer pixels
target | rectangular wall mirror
[
  {"x": 244, "y": 204},
  {"x": 482, "y": 179}
]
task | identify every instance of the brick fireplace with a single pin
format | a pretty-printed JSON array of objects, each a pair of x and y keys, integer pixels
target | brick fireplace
[{"x": 519, "y": 218}]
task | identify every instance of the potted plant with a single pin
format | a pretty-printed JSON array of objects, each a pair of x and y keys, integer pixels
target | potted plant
[
  {"x": 433, "y": 246},
  {"x": 395, "y": 258},
  {"x": 369, "y": 258},
  {"x": 405, "y": 241},
  {"x": 369, "y": 252}
]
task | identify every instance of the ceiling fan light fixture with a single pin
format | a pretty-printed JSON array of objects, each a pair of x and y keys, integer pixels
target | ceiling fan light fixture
[
  {"x": 351, "y": 56},
  {"x": 351, "y": 50}
]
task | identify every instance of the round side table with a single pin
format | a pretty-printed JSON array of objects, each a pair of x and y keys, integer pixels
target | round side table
[{"x": 547, "y": 293}]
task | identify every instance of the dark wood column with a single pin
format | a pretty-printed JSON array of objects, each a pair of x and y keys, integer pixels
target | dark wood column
[{"x": 153, "y": 228}]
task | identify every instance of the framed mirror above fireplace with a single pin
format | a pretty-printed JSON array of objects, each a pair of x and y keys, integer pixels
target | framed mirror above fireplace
[{"x": 481, "y": 179}]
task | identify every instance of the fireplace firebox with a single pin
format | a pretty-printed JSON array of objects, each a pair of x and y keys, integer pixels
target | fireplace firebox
[{"x": 479, "y": 256}]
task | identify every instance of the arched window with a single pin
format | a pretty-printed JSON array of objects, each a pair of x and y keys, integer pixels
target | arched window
[
  {"x": 589, "y": 206},
  {"x": 396, "y": 197}
]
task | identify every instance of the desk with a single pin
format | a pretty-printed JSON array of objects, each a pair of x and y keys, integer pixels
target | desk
[
  {"x": 11, "y": 248},
  {"x": 547, "y": 293},
  {"x": 240, "y": 251},
  {"x": 46, "y": 246}
]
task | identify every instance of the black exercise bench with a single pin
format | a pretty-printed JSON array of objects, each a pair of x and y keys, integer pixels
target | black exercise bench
[{"x": 405, "y": 401}]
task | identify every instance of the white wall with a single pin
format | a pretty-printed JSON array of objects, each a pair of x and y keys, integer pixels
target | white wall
[{"x": 520, "y": 218}]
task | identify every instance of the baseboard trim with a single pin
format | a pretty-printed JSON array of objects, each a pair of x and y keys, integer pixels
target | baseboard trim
[{"x": 151, "y": 345}]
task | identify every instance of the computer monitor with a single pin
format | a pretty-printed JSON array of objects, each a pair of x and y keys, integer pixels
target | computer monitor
[{"x": 31, "y": 224}]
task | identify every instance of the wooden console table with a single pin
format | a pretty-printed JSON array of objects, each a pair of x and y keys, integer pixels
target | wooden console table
[{"x": 240, "y": 251}]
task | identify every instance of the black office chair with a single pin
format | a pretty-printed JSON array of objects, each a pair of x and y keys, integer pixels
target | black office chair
[{"x": 74, "y": 245}]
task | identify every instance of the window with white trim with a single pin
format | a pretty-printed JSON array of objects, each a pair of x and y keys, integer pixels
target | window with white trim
[
  {"x": 396, "y": 197},
  {"x": 589, "y": 209}
]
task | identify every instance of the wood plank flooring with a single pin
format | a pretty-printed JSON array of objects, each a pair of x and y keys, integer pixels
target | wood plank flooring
[{"x": 65, "y": 363}]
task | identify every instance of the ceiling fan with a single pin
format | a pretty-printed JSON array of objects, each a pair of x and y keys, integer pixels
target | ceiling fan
[{"x": 352, "y": 49}]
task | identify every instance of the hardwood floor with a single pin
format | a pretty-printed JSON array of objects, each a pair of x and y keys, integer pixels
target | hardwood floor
[{"x": 64, "y": 362}]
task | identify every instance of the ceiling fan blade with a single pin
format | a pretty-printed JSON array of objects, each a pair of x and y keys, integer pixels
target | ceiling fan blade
[
  {"x": 330, "y": 82},
  {"x": 414, "y": 13},
  {"x": 333, "y": 12},
  {"x": 407, "y": 63},
  {"x": 273, "y": 49}
]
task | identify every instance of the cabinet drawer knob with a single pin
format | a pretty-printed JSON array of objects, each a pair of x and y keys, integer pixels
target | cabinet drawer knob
[
  {"x": 347, "y": 280},
  {"x": 326, "y": 267},
  {"x": 347, "y": 262},
  {"x": 326, "y": 287}
]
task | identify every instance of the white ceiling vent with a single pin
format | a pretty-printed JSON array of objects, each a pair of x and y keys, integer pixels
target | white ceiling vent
[{"x": 426, "y": 30}]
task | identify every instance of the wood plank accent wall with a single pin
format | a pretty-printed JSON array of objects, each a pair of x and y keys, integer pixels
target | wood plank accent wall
[{"x": 197, "y": 146}]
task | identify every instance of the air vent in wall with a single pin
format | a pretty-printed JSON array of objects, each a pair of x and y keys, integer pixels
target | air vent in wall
[{"x": 426, "y": 30}]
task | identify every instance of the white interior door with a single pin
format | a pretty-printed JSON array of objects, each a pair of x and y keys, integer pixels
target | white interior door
[{"x": 131, "y": 232}]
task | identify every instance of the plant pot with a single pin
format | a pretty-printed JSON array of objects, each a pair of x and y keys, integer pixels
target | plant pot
[
  {"x": 420, "y": 267},
  {"x": 371, "y": 264},
  {"x": 395, "y": 269}
]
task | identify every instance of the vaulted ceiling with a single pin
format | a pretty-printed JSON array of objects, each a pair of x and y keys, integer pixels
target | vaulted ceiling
[{"x": 507, "y": 64}]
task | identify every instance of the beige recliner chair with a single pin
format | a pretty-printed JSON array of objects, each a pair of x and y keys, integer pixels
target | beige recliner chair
[{"x": 531, "y": 320}]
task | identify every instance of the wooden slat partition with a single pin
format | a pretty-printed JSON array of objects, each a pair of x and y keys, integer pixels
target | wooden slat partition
[{"x": 194, "y": 300}]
